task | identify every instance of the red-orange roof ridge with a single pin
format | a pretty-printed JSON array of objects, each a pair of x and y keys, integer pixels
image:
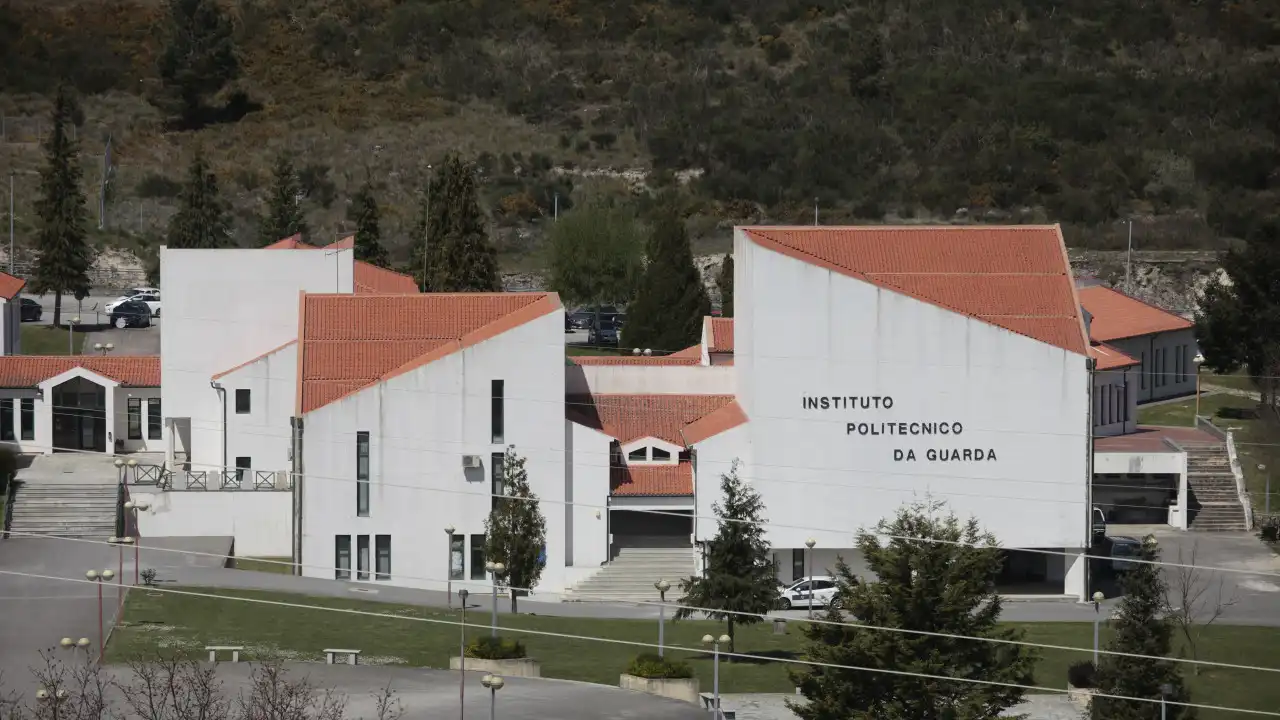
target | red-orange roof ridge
[
  {"x": 10, "y": 285},
  {"x": 30, "y": 370},
  {"x": 1116, "y": 316},
  {"x": 652, "y": 480},
  {"x": 629, "y": 417}
]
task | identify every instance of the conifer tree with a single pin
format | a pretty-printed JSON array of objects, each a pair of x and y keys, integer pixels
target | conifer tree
[
  {"x": 199, "y": 55},
  {"x": 201, "y": 220},
  {"x": 363, "y": 211},
  {"x": 669, "y": 307},
  {"x": 64, "y": 258},
  {"x": 739, "y": 576},
  {"x": 516, "y": 531},
  {"x": 283, "y": 215},
  {"x": 933, "y": 574},
  {"x": 1140, "y": 628},
  {"x": 459, "y": 256},
  {"x": 724, "y": 283}
]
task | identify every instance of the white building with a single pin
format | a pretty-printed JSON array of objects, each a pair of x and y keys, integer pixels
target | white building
[
  {"x": 11, "y": 314},
  {"x": 1162, "y": 343}
]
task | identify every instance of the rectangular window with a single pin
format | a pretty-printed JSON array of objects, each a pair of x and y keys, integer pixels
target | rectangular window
[
  {"x": 362, "y": 557},
  {"x": 497, "y": 410},
  {"x": 1124, "y": 400},
  {"x": 135, "y": 418},
  {"x": 342, "y": 557},
  {"x": 1164, "y": 366},
  {"x": 477, "y": 557},
  {"x": 797, "y": 564},
  {"x": 1143, "y": 369},
  {"x": 242, "y": 467},
  {"x": 457, "y": 556},
  {"x": 495, "y": 478},
  {"x": 382, "y": 544},
  {"x": 242, "y": 402},
  {"x": 28, "y": 418},
  {"x": 1177, "y": 363},
  {"x": 362, "y": 474},
  {"x": 154, "y": 421},
  {"x": 6, "y": 419}
]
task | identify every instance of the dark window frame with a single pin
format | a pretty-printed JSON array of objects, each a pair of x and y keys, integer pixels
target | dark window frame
[
  {"x": 497, "y": 411},
  {"x": 27, "y": 412},
  {"x": 244, "y": 465},
  {"x": 155, "y": 423},
  {"x": 6, "y": 419},
  {"x": 797, "y": 564},
  {"x": 477, "y": 557},
  {"x": 244, "y": 401},
  {"x": 362, "y": 474},
  {"x": 363, "y": 557},
  {"x": 458, "y": 548},
  {"x": 497, "y": 478},
  {"x": 381, "y": 549},
  {"x": 341, "y": 553},
  {"x": 135, "y": 418}
]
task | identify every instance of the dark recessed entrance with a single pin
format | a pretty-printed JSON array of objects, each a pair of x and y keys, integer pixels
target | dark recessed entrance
[{"x": 80, "y": 416}]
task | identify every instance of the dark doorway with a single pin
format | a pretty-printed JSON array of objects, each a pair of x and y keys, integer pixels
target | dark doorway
[{"x": 80, "y": 416}]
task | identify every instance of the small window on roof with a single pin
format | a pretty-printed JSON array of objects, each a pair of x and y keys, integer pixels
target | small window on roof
[
  {"x": 639, "y": 454},
  {"x": 660, "y": 454}
]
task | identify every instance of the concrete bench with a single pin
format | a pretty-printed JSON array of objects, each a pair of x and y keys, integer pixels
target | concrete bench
[
  {"x": 233, "y": 649},
  {"x": 709, "y": 702},
  {"x": 353, "y": 656}
]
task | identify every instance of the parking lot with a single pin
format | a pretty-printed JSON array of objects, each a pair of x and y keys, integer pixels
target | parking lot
[{"x": 91, "y": 310}]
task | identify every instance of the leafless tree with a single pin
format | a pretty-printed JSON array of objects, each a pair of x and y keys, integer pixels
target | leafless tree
[
  {"x": 1194, "y": 599},
  {"x": 170, "y": 688},
  {"x": 68, "y": 691},
  {"x": 386, "y": 706},
  {"x": 274, "y": 695}
]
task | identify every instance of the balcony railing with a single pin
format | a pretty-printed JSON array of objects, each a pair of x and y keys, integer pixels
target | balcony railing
[{"x": 240, "y": 479}]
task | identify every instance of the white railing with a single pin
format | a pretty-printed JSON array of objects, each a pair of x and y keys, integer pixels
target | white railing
[{"x": 1241, "y": 489}]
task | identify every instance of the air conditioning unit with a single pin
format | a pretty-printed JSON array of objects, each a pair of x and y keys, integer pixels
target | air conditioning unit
[{"x": 470, "y": 461}]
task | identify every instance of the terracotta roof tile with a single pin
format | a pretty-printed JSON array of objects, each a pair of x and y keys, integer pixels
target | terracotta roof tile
[
  {"x": 1117, "y": 316},
  {"x": 719, "y": 334},
  {"x": 652, "y": 480},
  {"x": 10, "y": 286},
  {"x": 724, "y": 419},
  {"x": 1110, "y": 358},
  {"x": 350, "y": 342},
  {"x": 1014, "y": 277},
  {"x": 293, "y": 242},
  {"x": 253, "y": 360},
  {"x": 631, "y": 417},
  {"x": 367, "y": 279},
  {"x": 21, "y": 371}
]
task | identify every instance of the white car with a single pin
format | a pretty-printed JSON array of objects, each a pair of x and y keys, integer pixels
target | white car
[
  {"x": 818, "y": 590},
  {"x": 150, "y": 296}
]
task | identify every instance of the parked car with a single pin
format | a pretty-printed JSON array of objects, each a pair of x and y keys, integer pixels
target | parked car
[
  {"x": 149, "y": 296},
  {"x": 818, "y": 590},
  {"x": 603, "y": 333},
  {"x": 1099, "y": 523},
  {"x": 31, "y": 310},
  {"x": 130, "y": 313},
  {"x": 580, "y": 320},
  {"x": 1123, "y": 546}
]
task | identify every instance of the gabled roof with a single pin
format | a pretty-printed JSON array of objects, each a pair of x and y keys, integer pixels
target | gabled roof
[
  {"x": 367, "y": 278},
  {"x": 10, "y": 286},
  {"x": 26, "y": 371},
  {"x": 688, "y": 356},
  {"x": 632, "y": 417},
  {"x": 350, "y": 342},
  {"x": 652, "y": 480},
  {"x": 719, "y": 334},
  {"x": 1117, "y": 316},
  {"x": 1013, "y": 277},
  {"x": 253, "y": 360},
  {"x": 1110, "y": 358}
]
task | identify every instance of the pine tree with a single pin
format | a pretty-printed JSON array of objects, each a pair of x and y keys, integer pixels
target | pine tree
[
  {"x": 64, "y": 259},
  {"x": 946, "y": 587},
  {"x": 669, "y": 308},
  {"x": 201, "y": 220},
  {"x": 1141, "y": 628},
  {"x": 459, "y": 256},
  {"x": 283, "y": 215},
  {"x": 363, "y": 211},
  {"x": 199, "y": 56},
  {"x": 516, "y": 531},
  {"x": 724, "y": 283},
  {"x": 739, "y": 576}
]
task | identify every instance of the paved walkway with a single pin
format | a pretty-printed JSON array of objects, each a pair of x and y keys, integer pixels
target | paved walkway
[{"x": 766, "y": 706}]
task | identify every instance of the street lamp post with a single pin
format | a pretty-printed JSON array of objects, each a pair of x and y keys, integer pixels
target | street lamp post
[
  {"x": 1266, "y": 489},
  {"x": 448, "y": 563},
  {"x": 494, "y": 683},
  {"x": 1198, "y": 360},
  {"x": 71, "y": 335},
  {"x": 96, "y": 578},
  {"x": 809, "y": 544},
  {"x": 104, "y": 349},
  {"x": 663, "y": 586},
  {"x": 119, "y": 542},
  {"x": 1165, "y": 691},
  {"x": 715, "y": 644},
  {"x": 1098, "y": 597},
  {"x": 462, "y": 653},
  {"x": 132, "y": 507},
  {"x": 495, "y": 569}
]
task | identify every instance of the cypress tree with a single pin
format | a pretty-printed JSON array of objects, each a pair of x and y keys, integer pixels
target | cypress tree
[
  {"x": 671, "y": 303},
  {"x": 459, "y": 256},
  {"x": 64, "y": 259},
  {"x": 199, "y": 55},
  {"x": 201, "y": 220},
  {"x": 363, "y": 211},
  {"x": 282, "y": 215},
  {"x": 1141, "y": 628},
  {"x": 516, "y": 531},
  {"x": 724, "y": 282}
]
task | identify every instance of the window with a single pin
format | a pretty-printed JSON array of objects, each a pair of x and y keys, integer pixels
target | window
[
  {"x": 154, "y": 422},
  {"x": 660, "y": 454},
  {"x": 28, "y": 419},
  {"x": 362, "y": 474},
  {"x": 457, "y": 556},
  {"x": 495, "y": 478},
  {"x": 477, "y": 557},
  {"x": 6, "y": 419},
  {"x": 382, "y": 544},
  {"x": 242, "y": 467},
  {"x": 639, "y": 454},
  {"x": 362, "y": 557},
  {"x": 497, "y": 410},
  {"x": 135, "y": 418},
  {"x": 1177, "y": 364},
  {"x": 1164, "y": 366},
  {"x": 797, "y": 564},
  {"x": 342, "y": 557},
  {"x": 1143, "y": 369},
  {"x": 242, "y": 402}
]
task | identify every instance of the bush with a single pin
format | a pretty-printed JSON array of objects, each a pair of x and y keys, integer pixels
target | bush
[
  {"x": 154, "y": 185},
  {"x": 1082, "y": 674},
  {"x": 648, "y": 665},
  {"x": 1270, "y": 530},
  {"x": 499, "y": 648}
]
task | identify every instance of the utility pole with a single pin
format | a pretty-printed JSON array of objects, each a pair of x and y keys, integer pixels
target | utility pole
[
  {"x": 815, "y": 211},
  {"x": 426, "y": 234},
  {"x": 556, "y": 211},
  {"x": 11, "y": 222},
  {"x": 1128, "y": 263},
  {"x": 102, "y": 188}
]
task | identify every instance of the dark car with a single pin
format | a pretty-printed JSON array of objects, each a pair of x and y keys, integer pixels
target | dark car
[
  {"x": 131, "y": 313},
  {"x": 603, "y": 333},
  {"x": 1122, "y": 547},
  {"x": 579, "y": 320},
  {"x": 31, "y": 310}
]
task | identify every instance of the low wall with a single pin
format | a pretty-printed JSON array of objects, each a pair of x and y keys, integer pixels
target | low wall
[{"x": 260, "y": 521}]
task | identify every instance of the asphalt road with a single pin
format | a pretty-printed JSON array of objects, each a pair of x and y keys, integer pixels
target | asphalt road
[{"x": 130, "y": 341}]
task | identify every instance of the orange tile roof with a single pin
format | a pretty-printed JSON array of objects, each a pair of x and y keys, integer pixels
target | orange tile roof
[
  {"x": 652, "y": 480},
  {"x": 368, "y": 279},
  {"x": 1110, "y": 358},
  {"x": 1117, "y": 316},
  {"x": 688, "y": 356},
  {"x": 350, "y": 342},
  {"x": 1014, "y": 277},
  {"x": 719, "y": 334},
  {"x": 631, "y": 417},
  {"x": 293, "y": 242},
  {"x": 726, "y": 418},
  {"x": 24, "y": 371},
  {"x": 10, "y": 286},
  {"x": 253, "y": 360}
]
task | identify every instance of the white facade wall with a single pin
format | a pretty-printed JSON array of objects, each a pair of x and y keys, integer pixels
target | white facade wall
[
  {"x": 648, "y": 380},
  {"x": 222, "y": 308},
  {"x": 263, "y": 434},
  {"x": 1167, "y": 358},
  {"x": 825, "y": 334},
  {"x": 145, "y": 442},
  {"x": 421, "y": 424},
  {"x": 587, "y": 492},
  {"x": 41, "y": 437},
  {"x": 1115, "y": 402},
  {"x": 259, "y": 521}
]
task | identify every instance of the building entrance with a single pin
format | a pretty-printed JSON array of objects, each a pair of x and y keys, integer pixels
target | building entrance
[{"x": 79, "y": 416}]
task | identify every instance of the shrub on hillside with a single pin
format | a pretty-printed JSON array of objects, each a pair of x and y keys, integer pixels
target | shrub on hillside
[
  {"x": 649, "y": 665},
  {"x": 1082, "y": 674},
  {"x": 496, "y": 648}
]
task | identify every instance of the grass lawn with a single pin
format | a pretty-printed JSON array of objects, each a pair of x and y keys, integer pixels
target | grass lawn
[
  {"x": 48, "y": 340},
  {"x": 186, "y": 624},
  {"x": 278, "y": 565},
  {"x": 1237, "y": 380},
  {"x": 586, "y": 350}
]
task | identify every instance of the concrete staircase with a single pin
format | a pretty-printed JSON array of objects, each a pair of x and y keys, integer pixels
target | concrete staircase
[
  {"x": 1215, "y": 501},
  {"x": 631, "y": 575},
  {"x": 65, "y": 510}
]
